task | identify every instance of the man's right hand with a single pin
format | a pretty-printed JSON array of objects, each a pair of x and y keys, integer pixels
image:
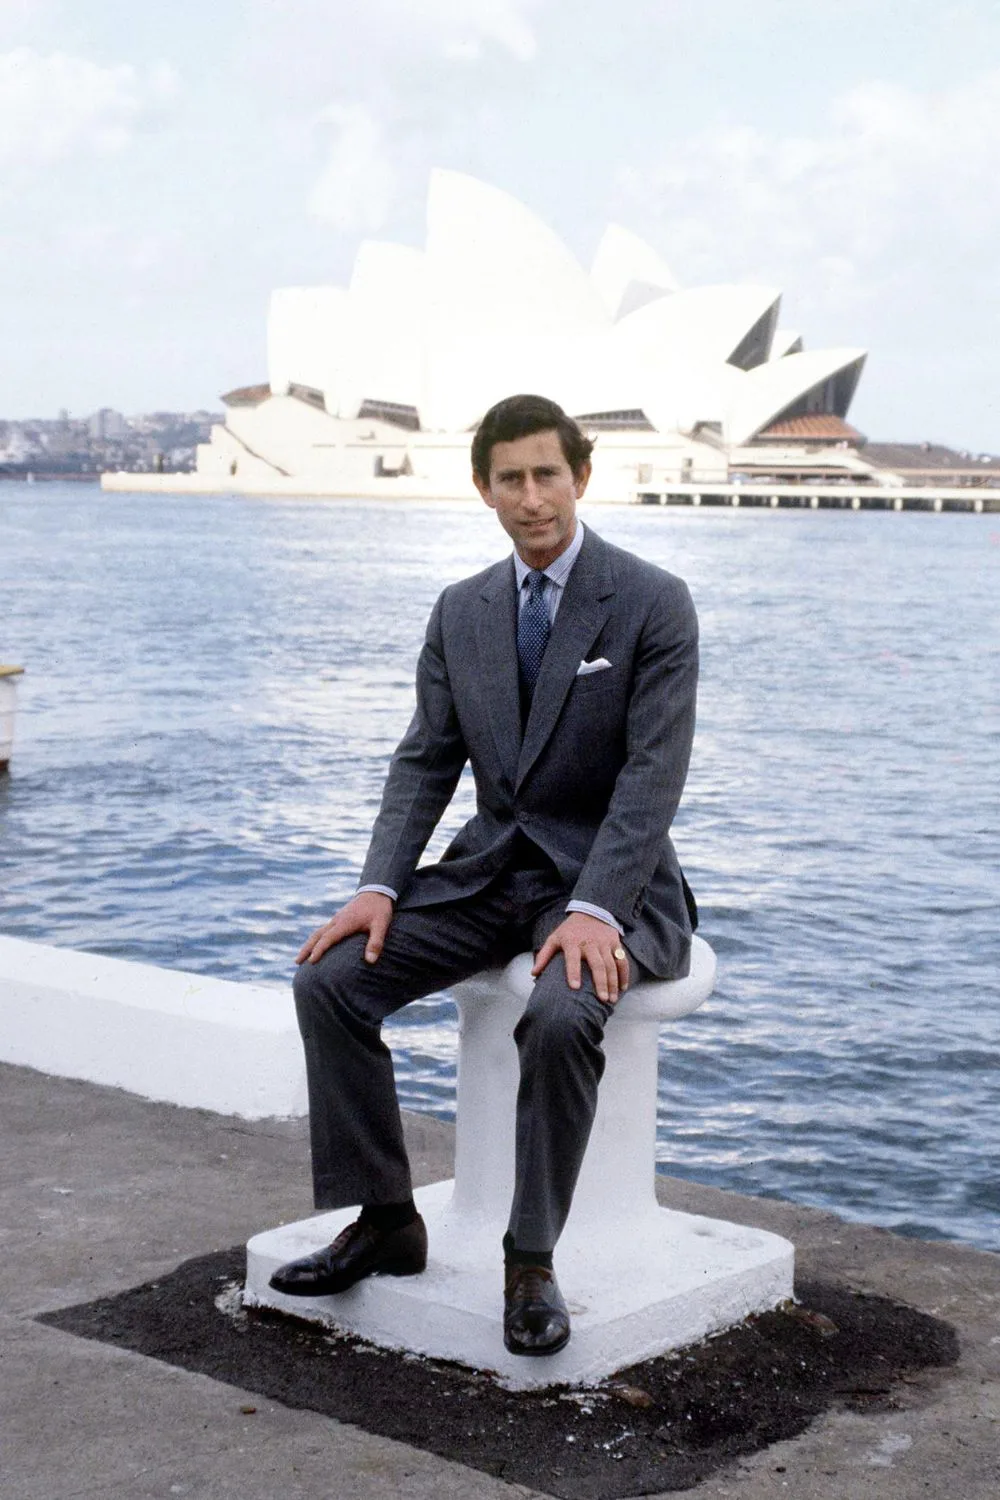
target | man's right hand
[{"x": 369, "y": 911}]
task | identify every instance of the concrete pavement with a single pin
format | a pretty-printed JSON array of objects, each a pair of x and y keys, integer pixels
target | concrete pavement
[{"x": 100, "y": 1190}]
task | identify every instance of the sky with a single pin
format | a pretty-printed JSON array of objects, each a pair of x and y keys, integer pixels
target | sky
[{"x": 163, "y": 167}]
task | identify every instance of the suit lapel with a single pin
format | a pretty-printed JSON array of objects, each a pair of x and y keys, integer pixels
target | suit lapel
[
  {"x": 497, "y": 639},
  {"x": 585, "y": 606}
]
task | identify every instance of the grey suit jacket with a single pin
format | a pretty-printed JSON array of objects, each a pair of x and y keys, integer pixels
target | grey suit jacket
[{"x": 597, "y": 775}]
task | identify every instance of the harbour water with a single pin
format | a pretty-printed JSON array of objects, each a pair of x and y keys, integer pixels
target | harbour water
[{"x": 213, "y": 686}]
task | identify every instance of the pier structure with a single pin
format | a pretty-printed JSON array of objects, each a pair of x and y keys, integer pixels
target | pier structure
[{"x": 840, "y": 496}]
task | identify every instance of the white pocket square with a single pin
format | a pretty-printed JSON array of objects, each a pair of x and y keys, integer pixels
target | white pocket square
[{"x": 599, "y": 664}]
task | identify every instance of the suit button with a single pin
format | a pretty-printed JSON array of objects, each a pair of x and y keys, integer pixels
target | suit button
[{"x": 525, "y": 818}]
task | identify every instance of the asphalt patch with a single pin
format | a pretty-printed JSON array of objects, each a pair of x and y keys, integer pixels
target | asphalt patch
[{"x": 657, "y": 1426}]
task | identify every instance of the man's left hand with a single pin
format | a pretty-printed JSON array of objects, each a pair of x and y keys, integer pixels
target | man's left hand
[{"x": 581, "y": 937}]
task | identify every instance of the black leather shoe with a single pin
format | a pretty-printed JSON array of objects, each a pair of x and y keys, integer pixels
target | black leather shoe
[
  {"x": 358, "y": 1251},
  {"x": 535, "y": 1319}
]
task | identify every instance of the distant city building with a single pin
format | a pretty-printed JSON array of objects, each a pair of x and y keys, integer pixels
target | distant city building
[
  {"x": 16, "y": 448},
  {"x": 105, "y": 424},
  {"x": 105, "y": 442}
]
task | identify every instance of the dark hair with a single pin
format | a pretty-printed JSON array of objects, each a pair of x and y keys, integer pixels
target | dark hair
[{"x": 520, "y": 416}]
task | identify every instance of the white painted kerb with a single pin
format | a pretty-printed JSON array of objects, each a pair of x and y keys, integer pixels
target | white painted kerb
[
  {"x": 162, "y": 1033},
  {"x": 639, "y": 1280}
]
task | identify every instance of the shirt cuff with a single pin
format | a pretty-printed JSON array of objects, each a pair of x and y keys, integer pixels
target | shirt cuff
[
  {"x": 595, "y": 911},
  {"x": 383, "y": 890}
]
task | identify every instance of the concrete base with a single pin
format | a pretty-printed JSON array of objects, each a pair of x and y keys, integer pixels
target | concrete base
[{"x": 684, "y": 1277}]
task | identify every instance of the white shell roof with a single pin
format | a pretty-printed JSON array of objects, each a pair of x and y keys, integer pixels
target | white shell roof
[
  {"x": 497, "y": 303},
  {"x": 306, "y": 329},
  {"x": 384, "y": 354},
  {"x": 691, "y": 394},
  {"x": 786, "y": 341},
  {"x": 705, "y": 323},
  {"x": 627, "y": 272},
  {"x": 767, "y": 391},
  {"x": 494, "y": 266}
]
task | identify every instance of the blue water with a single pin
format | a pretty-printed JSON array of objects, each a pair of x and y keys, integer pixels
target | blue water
[{"x": 213, "y": 687}]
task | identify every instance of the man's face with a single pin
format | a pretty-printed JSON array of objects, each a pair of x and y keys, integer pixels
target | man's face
[{"x": 534, "y": 493}]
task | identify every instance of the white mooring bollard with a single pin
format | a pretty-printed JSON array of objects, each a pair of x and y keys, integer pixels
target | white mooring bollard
[
  {"x": 8, "y": 708},
  {"x": 639, "y": 1280}
]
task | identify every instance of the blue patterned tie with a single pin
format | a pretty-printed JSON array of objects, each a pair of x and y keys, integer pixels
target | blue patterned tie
[{"x": 532, "y": 631}]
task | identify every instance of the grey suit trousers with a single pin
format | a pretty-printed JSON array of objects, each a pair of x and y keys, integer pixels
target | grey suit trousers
[{"x": 356, "y": 1133}]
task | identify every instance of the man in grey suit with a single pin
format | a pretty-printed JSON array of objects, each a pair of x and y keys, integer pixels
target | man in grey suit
[{"x": 566, "y": 675}]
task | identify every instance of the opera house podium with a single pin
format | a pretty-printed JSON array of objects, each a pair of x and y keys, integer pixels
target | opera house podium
[{"x": 639, "y": 1280}]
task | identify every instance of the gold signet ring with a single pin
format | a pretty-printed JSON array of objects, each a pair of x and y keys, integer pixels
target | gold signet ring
[{"x": 619, "y": 953}]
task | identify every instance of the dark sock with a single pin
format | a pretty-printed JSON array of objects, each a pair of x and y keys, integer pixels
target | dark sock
[
  {"x": 389, "y": 1216},
  {"x": 515, "y": 1257}
]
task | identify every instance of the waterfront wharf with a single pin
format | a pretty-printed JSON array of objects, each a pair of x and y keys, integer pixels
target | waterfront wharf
[
  {"x": 842, "y": 496},
  {"x": 103, "y": 1190}
]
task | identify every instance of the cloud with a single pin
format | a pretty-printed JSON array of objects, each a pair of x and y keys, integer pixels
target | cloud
[
  {"x": 376, "y": 40},
  {"x": 462, "y": 27},
  {"x": 18, "y": 13},
  {"x": 387, "y": 90},
  {"x": 56, "y": 106},
  {"x": 354, "y": 191},
  {"x": 900, "y": 185}
]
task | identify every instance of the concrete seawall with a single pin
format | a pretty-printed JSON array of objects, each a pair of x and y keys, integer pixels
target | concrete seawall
[{"x": 161, "y": 1033}]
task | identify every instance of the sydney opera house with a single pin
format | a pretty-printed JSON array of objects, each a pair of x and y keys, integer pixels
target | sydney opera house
[{"x": 374, "y": 388}]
